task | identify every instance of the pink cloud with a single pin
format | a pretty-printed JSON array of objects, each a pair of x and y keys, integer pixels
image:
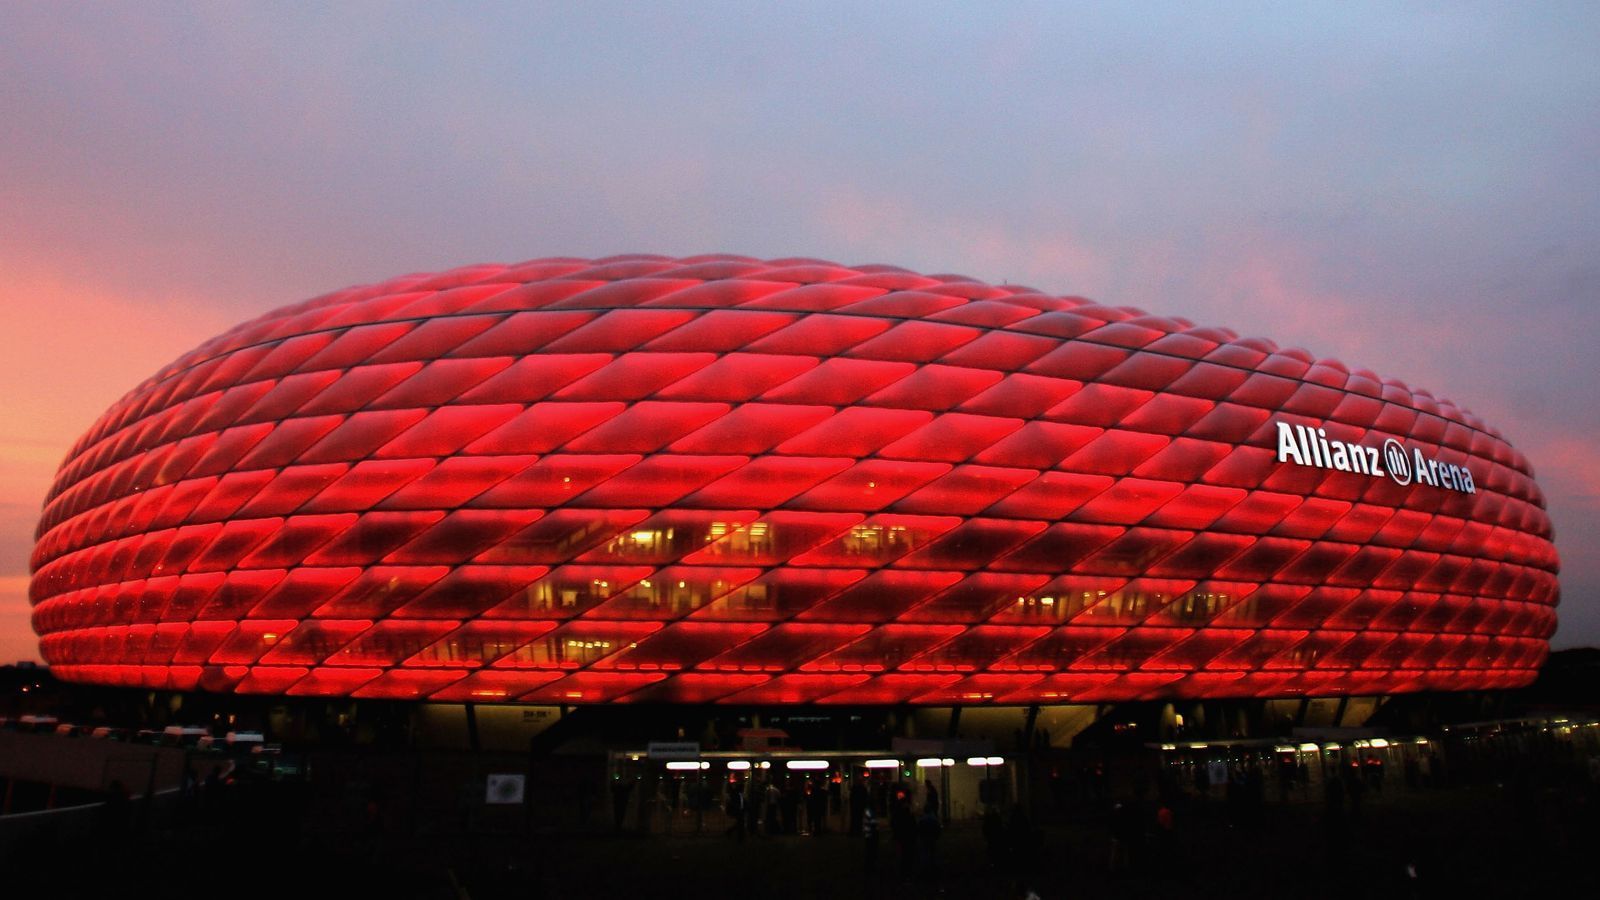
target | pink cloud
[
  {"x": 68, "y": 351},
  {"x": 17, "y": 641},
  {"x": 997, "y": 250}
]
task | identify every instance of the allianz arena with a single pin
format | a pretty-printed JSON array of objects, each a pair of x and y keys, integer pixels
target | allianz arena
[{"x": 722, "y": 479}]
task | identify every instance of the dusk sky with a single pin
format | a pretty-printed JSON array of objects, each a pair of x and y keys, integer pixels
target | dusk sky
[{"x": 1413, "y": 190}]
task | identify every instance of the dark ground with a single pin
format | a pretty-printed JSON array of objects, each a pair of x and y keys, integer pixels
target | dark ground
[
  {"x": 1519, "y": 817},
  {"x": 1479, "y": 840}
]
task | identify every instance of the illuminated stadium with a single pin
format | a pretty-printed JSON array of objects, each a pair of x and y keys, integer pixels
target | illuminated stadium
[{"x": 765, "y": 482}]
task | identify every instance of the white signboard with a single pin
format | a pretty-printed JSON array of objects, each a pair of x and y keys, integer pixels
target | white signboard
[{"x": 1305, "y": 446}]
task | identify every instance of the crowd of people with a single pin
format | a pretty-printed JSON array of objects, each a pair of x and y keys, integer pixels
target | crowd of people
[{"x": 766, "y": 807}]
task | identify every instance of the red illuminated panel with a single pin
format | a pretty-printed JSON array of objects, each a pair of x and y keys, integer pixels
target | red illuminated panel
[
  {"x": 694, "y": 687},
  {"x": 680, "y": 646},
  {"x": 796, "y": 688},
  {"x": 408, "y": 684},
  {"x": 890, "y": 689},
  {"x": 478, "y": 643},
  {"x": 592, "y": 687},
  {"x": 577, "y": 644},
  {"x": 884, "y": 648},
  {"x": 776, "y": 649},
  {"x": 493, "y": 686},
  {"x": 780, "y": 594},
  {"x": 729, "y": 480}
]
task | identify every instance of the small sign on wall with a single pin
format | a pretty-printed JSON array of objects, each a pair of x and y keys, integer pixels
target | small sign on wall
[{"x": 505, "y": 789}]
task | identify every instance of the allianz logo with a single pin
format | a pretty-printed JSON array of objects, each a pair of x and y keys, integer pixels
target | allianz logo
[{"x": 1305, "y": 446}]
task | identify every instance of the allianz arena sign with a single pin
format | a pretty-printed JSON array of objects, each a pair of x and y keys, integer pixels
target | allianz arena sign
[{"x": 1305, "y": 446}]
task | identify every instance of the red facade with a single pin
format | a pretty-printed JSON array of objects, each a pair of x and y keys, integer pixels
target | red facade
[{"x": 723, "y": 479}]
